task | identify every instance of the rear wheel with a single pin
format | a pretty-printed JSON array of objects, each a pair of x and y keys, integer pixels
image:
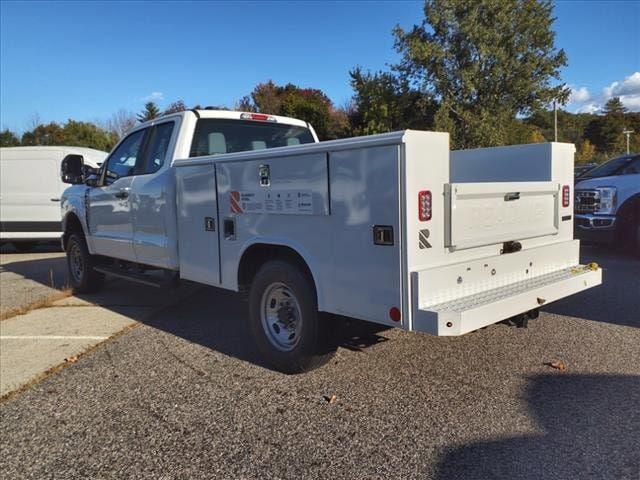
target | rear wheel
[
  {"x": 284, "y": 319},
  {"x": 83, "y": 277}
]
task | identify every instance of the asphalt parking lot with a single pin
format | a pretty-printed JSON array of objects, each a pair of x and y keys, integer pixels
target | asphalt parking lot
[{"x": 184, "y": 395}]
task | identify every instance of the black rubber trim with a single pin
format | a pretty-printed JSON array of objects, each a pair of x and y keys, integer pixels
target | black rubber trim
[{"x": 30, "y": 226}]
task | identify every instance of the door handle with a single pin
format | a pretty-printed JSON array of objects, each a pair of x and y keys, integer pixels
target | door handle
[
  {"x": 124, "y": 193},
  {"x": 55, "y": 199},
  {"x": 511, "y": 196}
]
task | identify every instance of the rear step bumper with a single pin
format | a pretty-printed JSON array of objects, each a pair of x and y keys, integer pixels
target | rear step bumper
[{"x": 468, "y": 313}]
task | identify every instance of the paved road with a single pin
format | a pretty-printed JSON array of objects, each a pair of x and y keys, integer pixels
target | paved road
[
  {"x": 33, "y": 342},
  {"x": 184, "y": 396},
  {"x": 29, "y": 277}
]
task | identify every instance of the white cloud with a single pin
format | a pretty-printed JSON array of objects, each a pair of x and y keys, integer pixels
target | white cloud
[
  {"x": 153, "y": 97},
  {"x": 579, "y": 95},
  {"x": 588, "y": 108},
  {"x": 582, "y": 101},
  {"x": 628, "y": 90}
]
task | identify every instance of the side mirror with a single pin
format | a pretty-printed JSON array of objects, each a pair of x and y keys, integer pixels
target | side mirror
[{"x": 72, "y": 169}]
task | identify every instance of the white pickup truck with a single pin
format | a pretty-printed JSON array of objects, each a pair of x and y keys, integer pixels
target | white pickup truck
[{"x": 392, "y": 228}]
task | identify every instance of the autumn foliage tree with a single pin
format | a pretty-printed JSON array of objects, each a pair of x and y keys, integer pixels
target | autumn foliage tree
[
  {"x": 308, "y": 104},
  {"x": 74, "y": 133}
]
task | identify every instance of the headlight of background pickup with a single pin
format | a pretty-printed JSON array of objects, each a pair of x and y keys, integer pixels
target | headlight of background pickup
[{"x": 599, "y": 200}]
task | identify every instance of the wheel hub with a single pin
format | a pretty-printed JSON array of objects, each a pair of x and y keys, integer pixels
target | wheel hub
[{"x": 281, "y": 317}]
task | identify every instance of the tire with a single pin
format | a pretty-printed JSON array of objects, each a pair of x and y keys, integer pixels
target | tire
[
  {"x": 82, "y": 276},
  {"x": 284, "y": 319},
  {"x": 627, "y": 238},
  {"x": 24, "y": 247}
]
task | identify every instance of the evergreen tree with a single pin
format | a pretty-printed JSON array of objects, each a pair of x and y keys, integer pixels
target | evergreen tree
[
  {"x": 8, "y": 139},
  {"x": 149, "y": 112}
]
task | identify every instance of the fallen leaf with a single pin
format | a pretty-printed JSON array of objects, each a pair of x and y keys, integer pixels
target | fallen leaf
[
  {"x": 330, "y": 399},
  {"x": 557, "y": 364},
  {"x": 72, "y": 359}
]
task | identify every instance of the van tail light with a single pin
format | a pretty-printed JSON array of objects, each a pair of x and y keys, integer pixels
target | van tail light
[
  {"x": 566, "y": 195},
  {"x": 424, "y": 205}
]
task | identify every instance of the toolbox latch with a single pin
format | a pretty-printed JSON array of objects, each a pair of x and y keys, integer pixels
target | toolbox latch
[{"x": 383, "y": 235}]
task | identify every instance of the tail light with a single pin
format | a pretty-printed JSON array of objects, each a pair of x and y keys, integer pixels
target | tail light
[
  {"x": 566, "y": 195},
  {"x": 258, "y": 116},
  {"x": 424, "y": 205}
]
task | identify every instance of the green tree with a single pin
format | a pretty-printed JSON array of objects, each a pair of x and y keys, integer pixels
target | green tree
[
  {"x": 8, "y": 139},
  {"x": 484, "y": 62},
  {"x": 85, "y": 134},
  {"x": 605, "y": 131},
  {"x": 49, "y": 134},
  {"x": 149, "y": 112},
  {"x": 73, "y": 133},
  {"x": 384, "y": 102}
]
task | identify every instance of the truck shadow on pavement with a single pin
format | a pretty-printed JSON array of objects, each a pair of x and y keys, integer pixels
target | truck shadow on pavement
[
  {"x": 616, "y": 300},
  {"x": 590, "y": 422},
  {"x": 218, "y": 319}
]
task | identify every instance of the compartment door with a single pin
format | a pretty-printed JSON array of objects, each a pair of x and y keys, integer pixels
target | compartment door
[
  {"x": 489, "y": 213},
  {"x": 198, "y": 229}
]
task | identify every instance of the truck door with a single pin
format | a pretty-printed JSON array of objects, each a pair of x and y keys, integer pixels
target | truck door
[
  {"x": 152, "y": 197},
  {"x": 109, "y": 210}
]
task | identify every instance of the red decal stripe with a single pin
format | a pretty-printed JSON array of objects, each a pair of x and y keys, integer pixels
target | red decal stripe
[{"x": 234, "y": 201}]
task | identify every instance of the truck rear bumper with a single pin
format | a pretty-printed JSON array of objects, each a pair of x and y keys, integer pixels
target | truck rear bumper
[{"x": 488, "y": 302}]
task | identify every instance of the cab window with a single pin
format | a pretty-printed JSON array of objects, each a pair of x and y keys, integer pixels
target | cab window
[
  {"x": 158, "y": 146},
  {"x": 122, "y": 162},
  {"x": 215, "y": 136}
]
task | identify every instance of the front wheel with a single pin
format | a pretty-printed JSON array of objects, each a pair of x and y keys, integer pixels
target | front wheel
[
  {"x": 284, "y": 319},
  {"x": 83, "y": 277}
]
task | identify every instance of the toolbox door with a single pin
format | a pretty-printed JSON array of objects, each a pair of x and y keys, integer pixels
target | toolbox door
[{"x": 198, "y": 241}]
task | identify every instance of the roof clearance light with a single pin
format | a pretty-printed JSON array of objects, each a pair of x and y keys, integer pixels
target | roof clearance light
[
  {"x": 261, "y": 117},
  {"x": 424, "y": 205},
  {"x": 566, "y": 195}
]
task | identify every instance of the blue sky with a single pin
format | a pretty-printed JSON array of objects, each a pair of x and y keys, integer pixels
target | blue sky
[{"x": 86, "y": 60}]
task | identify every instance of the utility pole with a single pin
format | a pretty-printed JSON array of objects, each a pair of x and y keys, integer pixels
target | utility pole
[
  {"x": 555, "y": 122},
  {"x": 627, "y": 133}
]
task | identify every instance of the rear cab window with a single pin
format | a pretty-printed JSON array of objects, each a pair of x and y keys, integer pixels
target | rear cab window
[{"x": 216, "y": 136}]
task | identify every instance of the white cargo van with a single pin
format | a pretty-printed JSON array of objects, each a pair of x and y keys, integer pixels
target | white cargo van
[{"x": 30, "y": 191}]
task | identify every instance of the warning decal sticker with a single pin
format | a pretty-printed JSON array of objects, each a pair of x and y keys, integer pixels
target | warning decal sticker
[
  {"x": 298, "y": 202},
  {"x": 234, "y": 201}
]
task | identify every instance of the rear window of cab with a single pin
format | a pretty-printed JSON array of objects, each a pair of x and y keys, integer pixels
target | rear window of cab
[{"x": 216, "y": 136}]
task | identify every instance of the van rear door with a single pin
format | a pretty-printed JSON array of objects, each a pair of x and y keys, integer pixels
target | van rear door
[{"x": 31, "y": 190}]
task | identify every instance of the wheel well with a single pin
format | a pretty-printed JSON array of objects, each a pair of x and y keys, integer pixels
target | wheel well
[
  {"x": 627, "y": 219},
  {"x": 72, "y": 225},
  {"x": 630, "y": 209},
  {"x": 258, "y": 254}
]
